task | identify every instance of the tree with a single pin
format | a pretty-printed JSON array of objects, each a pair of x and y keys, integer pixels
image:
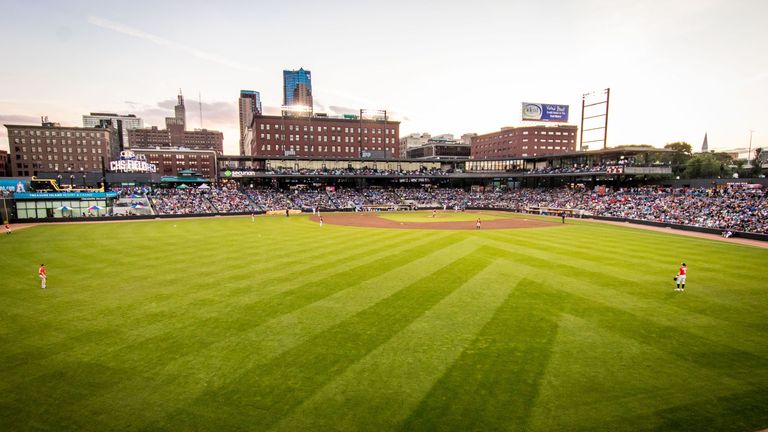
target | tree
[
  {"x": 706, "y": 165},
  {"x": 678, "y": 159},
  {"x": 680, "y": 147},
  {"x": 757, "y": 163}
]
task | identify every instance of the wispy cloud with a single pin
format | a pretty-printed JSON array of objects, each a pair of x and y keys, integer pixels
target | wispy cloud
[
  {"x": 18, "y": 118},
  {"x": 158, "y": 40}
]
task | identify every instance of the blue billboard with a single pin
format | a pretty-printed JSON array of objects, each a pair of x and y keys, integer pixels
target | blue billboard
[
  {"x": 545, "y": 112},
  {"x": 14, "y": 185}
]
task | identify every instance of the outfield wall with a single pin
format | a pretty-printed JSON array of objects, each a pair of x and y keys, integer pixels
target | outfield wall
[{"x": 746, "y": 235}]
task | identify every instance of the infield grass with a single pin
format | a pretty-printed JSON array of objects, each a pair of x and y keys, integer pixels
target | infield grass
[{"x": 224, "y": 324}]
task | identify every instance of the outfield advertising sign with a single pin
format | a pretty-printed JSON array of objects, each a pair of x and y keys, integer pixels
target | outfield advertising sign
[
  {"x": 545, "y": 112},
  {"x": 12, "y": 185},
  {"x": 64, "y": 195}
]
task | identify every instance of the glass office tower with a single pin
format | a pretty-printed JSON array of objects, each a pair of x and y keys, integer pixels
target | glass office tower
[{"x": 297, "y": 92}]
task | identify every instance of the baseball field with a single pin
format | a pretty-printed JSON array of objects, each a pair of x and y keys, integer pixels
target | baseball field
[{"x": 229, "y": 324}]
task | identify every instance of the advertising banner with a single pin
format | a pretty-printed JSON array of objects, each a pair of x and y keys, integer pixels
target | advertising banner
[
  {"x": 64, "y": 195},
  {"x": 12, "y": 185},
  {"x": 239, "y": 173},
  {"x": 545, "y": 112}
]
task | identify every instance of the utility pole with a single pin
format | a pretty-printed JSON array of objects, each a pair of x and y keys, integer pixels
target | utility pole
[{"x": 200, "y": 104}]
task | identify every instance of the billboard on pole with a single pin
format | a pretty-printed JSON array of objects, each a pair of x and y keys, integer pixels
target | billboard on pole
[{"x": 545, "y": 112}]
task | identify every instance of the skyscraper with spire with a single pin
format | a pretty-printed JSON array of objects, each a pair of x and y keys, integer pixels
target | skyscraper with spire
[
  {"x": 705, "y": 144},
  {"x": 179, "y": 120}
]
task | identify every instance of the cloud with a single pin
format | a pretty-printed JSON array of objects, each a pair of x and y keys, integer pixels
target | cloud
[
  {"x": 157, "y": 40},
  {"x": 215, "y": 114},
  {"x": 18, "y": 118},
  {"x": 341, "y": 110}
]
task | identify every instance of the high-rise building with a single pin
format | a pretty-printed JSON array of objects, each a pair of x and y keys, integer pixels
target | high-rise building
[
  {"x": 250, "y": 105},
  {"x": 176, "y": 134},
  {"x": 178, "y": 123},
  {"x": 297, "y": 92},
  {"x": 121, "y": 124}
]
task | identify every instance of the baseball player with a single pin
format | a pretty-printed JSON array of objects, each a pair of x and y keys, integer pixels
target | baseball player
[
  {"x": 680, "y": 278},
  {"x": 43, "y": 275}
]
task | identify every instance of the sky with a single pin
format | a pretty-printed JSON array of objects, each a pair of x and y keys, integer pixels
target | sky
[{"x": 677, "y": 69}]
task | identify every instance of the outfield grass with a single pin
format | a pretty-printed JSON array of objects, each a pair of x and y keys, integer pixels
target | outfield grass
[
  {"x": 224, "y": 324},
  {"x": 442, "y": 216}
]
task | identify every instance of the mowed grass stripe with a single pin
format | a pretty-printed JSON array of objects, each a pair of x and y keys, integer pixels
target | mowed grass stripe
[
  {"x": 635, "y": 278},
  {"x": 153, "y": 308},
  {"x": 604, "y": 279},
  {"x": 272, "y": 390},
  {"x": 148, "y": 289},
  {"x": 677, "y": 340},
  {"x": 631, "y": 381},
  {"x": 181, "y": 335},
  {"x": 494, "y": 384},
  {"x": 362, "y": 397},
  {"x": 84, "y": 339},
  {"x": 217, "y": 363}
]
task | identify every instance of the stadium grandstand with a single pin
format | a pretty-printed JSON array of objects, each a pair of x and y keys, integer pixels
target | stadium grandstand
[{"x": 619, "y": 183}]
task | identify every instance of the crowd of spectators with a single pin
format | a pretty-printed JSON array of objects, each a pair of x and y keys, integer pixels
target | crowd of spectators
[
  {"x": 366, "y": 171},
  {"x": 727, "y": 209},
  {"x": 228, "y": 198},
  {"x": 269, "y": 198},
  {"x": 181, "y": 201}
]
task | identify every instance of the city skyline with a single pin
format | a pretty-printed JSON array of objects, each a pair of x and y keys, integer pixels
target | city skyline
[{"x": 675, "y": 73}]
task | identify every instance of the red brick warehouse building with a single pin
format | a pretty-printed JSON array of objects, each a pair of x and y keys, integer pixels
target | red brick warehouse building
[
  {"x": 322, "y": 136},
  {"x": 169, "y": 161},
  {"x": 525, "y": 141}
]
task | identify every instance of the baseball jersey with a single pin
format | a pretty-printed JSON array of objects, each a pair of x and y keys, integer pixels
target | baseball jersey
[
  {"x": 41, "y": 271},
  {"x": 682, "y": 271}
]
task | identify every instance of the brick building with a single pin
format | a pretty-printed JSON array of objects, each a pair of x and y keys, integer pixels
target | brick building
[
  {"x": 5, "y": 164},
  {"x": 440, "y": 148},
  {"x": 169, "y": 161},
  {"x": 201, "y": 139},
  {"x": 51, "y": 147},
  {"x": 322, "y": 136},
  {"x": 525, "y": 141}
]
